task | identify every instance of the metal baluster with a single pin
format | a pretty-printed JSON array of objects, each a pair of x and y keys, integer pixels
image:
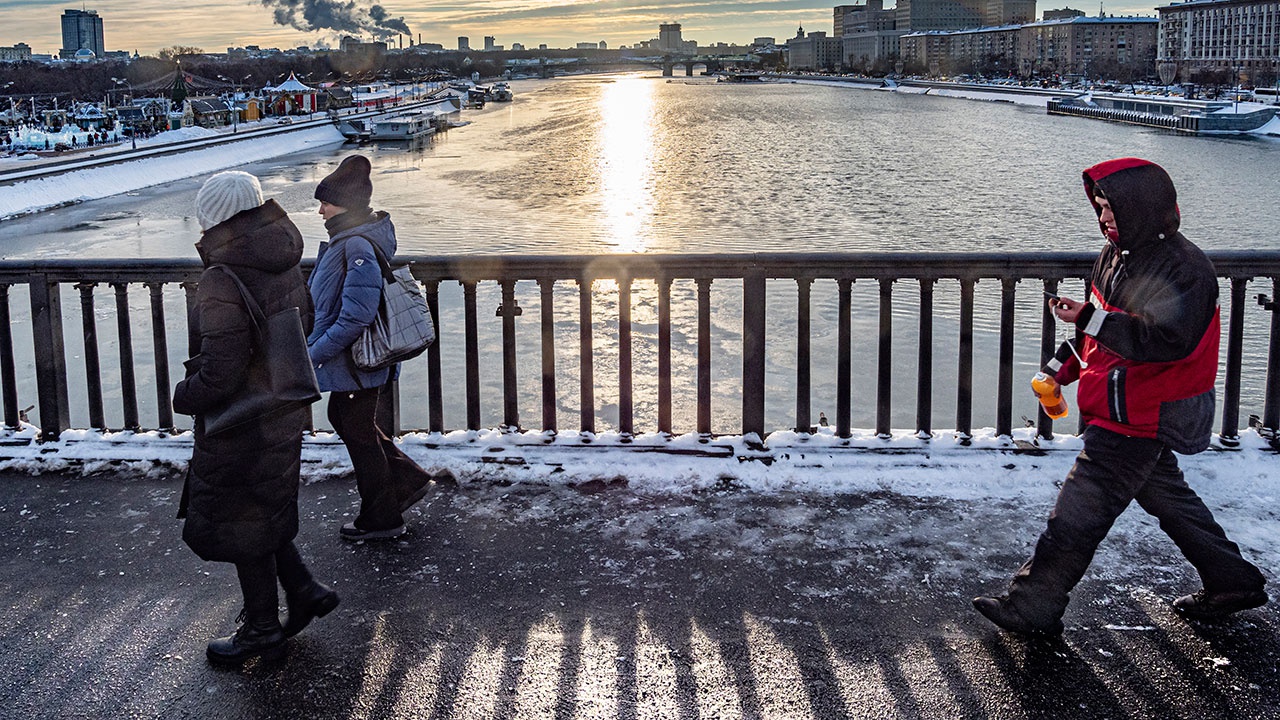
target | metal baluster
[
  {"x": 1048, "y": 346},
  {"x": 964, "y": 374},
  {"x": 625, "y": 399},
  {"x": 1230, "y": 435},
  {"x": 164, "y": 404},
  {"x": 435, "y": 383},
  {"x": 472, "y": 352},
  {"x": 8, "y": 374},
  {"x": 804, "y": 356},
  {"x": 664, "y": 355},
  {"x": 189, "y": 290},
  {"x": 92, "y": 362},
  {"x": 128, "y": 383},
  {"x": 753, "y": 350},
  {"x": 1271, "y": 405},
  {"x": 546, "y": 287},
  {"x": 1004, "y": 376},
  {"x": 844, "y": 358},
  {"x": 586, "y": 359},
  {"x": 884, "y": 385},
  {"x": 510, "y": 400},
  {"x": 51, "y": 363},
  {"x": 704, "y": 357},
  {"x": 924, "y": 361}
]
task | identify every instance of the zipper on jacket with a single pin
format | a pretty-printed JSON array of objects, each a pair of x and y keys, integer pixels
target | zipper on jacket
[
  {"x": 1116, "y": 395},
  {"x": 1117, "y": 275}
]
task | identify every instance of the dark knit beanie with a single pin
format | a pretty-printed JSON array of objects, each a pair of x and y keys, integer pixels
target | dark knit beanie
[{"x": 348, "y": 186}]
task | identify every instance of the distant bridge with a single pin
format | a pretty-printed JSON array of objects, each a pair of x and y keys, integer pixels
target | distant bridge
[
  {"x": 667, "y": 63},
  {"x": 713, "y": 63}
]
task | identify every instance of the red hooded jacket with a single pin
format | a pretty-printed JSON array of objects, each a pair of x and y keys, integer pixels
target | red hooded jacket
[{"x": 1151, "y": 328}]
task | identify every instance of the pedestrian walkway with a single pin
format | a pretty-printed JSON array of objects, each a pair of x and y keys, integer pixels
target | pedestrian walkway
[{"x": 612, "y": 600}]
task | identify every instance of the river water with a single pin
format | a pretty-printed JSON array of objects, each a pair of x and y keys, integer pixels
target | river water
[{"x": 643, "y": 164}]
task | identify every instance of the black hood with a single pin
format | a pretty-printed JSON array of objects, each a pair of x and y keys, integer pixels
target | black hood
[
  {"x": 1142, "y": 198},
  {"x": 263, "y": 238}
]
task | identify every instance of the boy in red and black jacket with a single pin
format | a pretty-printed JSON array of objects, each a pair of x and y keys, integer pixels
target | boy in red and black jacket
[{"x": 1146, "y": 370}]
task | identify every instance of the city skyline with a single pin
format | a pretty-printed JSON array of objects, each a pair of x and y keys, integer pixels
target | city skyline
[{"x": 215, "y": 25}]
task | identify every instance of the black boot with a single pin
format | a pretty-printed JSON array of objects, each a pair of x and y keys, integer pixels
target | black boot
[
  {"x": 261, "y": 634},
  {"x": 257, "y": 637},
  {"x": 316, "y": 600}
]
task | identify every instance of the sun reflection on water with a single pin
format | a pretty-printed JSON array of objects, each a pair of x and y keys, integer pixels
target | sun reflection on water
[{"x": 626, "y": 162}]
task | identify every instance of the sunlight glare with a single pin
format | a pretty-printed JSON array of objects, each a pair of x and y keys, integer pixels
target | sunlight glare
[
  {"x": 716, "y": 698},
  {"x": 481, "y": 673},
  {"x": 776, "y": 670},
  {"x": 377, "y": 667},
  {"x": 543, "y": 657},
  {"x": 626, "y": 161},
  {"x": 656, "y": 684},
  {"x": 597, "y": 691}
]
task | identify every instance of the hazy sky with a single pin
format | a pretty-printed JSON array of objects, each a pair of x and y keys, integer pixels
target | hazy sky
[{"x": 215, "y": 25}]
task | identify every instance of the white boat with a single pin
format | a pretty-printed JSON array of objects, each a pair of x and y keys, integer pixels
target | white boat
[
  {"x": 405, "y": 126},
  {"x": 354, "y": 129},
  {"x": 739, "y": 77},
  {"x": 500, "y": 92}
]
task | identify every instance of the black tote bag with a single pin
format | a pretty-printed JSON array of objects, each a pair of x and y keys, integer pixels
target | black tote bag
[{"x": 281, "y": 376}]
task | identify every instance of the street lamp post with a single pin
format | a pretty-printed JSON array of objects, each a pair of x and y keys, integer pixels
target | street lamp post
[
  {"x": 13, "y": 113},
  {"x": 133, "y": 133},
  {"x": 233, "y": 106}
]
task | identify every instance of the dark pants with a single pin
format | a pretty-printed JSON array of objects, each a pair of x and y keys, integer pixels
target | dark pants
[
  {"x": 258, "y": 581},
  {"x": 1111, "y": 471},
  {"x": 385, "y": 476}
]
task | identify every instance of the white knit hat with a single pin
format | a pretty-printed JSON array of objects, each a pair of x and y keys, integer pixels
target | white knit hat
[{"x": 226, "y": 194}]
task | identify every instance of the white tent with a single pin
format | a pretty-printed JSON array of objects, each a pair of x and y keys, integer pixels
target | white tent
[
  {"x": 292, "y": 85},
  {"x": 291, "y": 96}
]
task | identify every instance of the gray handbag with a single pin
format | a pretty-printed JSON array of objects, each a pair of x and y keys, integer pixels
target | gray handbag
[{"x": 403, "y": 327}]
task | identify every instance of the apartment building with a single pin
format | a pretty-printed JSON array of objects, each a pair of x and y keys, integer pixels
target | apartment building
[
  {"x": 868, "y": 33},
  {"x": 923, "y": 15},
  {"x": 19, "y": 52},
  {"x": 1238, "y": 35},
  {"x": 1084, "y": 44},
  {"x": 1064, "y": 45},
  {"x": 813, "y": 51}
]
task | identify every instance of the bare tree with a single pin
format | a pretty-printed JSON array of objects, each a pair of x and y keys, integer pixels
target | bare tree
[{"x": 176, "y": 51}]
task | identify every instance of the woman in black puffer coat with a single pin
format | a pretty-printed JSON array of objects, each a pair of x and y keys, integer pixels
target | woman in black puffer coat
[{"x": 240, "y": 500}]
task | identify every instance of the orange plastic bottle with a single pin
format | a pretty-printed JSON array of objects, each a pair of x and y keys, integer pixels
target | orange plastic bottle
[{"x": 1049, "y": 393}]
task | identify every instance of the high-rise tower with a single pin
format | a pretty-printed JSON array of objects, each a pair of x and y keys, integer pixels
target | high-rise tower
[
  {"x": 81, "y": 29},
  {"x": 669, "y": 39}
]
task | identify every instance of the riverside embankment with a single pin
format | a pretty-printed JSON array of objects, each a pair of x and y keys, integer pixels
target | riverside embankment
[{"x": 29, "y": 186}]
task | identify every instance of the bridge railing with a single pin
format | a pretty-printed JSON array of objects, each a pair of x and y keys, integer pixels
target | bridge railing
[{"x": 52, "y": 283}]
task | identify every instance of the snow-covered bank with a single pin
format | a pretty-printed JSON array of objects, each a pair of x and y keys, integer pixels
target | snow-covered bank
[
  {"x": 988, "y": 466},
  {"x": 1239, "y": 484},
  {"x": 993, "y": 95},
  {"x": 1021, "y": 96},
  {"x": 30, "y": 196}
]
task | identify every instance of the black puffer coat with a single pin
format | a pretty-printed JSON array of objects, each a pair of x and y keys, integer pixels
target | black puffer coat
[{"x": 241, "y": 497}]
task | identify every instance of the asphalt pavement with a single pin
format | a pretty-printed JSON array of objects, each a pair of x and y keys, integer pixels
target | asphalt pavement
[{"x": 605, "y": 601}]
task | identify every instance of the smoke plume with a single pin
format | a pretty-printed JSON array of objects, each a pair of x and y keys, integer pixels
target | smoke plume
[{"x": 343, "y": 17}]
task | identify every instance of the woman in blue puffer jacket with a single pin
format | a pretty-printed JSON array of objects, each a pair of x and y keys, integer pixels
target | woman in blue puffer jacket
[{"x": 346, "y": 288}]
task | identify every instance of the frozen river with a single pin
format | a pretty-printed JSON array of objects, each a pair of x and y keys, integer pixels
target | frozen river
[{"x": 642, "y": 164}]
